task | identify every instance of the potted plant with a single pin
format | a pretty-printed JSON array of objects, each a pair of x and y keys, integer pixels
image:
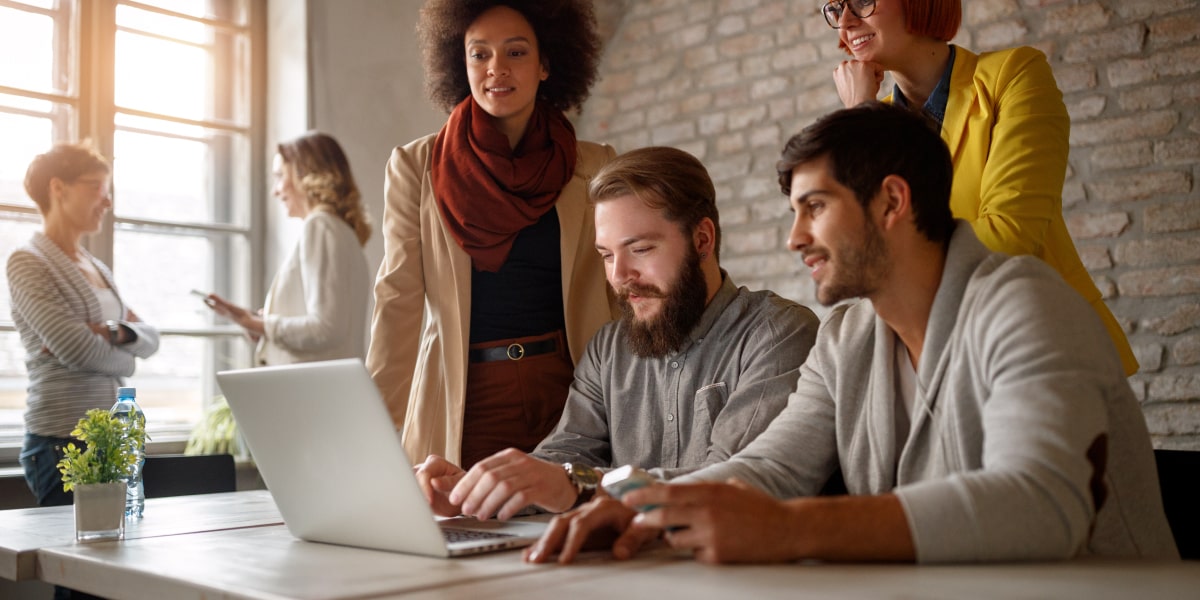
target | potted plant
[{"x": 96, "y": 473}]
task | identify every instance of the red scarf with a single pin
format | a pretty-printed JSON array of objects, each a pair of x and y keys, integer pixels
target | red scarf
[{"x": 487, "y": 192}]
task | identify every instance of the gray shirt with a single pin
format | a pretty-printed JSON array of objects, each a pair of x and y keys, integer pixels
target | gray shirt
[
  {"x": 1021, "y": 408},
  {"x": 696, "y": 407},
  {"x": 71, "y": 369}
]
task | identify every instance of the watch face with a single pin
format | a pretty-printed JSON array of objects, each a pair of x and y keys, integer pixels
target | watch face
[{"x": 583, "y": 475}]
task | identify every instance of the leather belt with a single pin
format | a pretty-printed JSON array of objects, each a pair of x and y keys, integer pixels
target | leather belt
[{"x": 512, "y": 351}]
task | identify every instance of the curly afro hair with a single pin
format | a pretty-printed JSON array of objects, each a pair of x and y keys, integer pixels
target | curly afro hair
[{"x": 567, "y": 43}]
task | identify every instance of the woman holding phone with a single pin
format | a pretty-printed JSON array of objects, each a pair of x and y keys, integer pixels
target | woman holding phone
[
  {"x": 316, "y": 308},
  {"x": 80, "y": 337},
  {"x": 1001, "y": 114},
  {"x": 491, "y": 286}
]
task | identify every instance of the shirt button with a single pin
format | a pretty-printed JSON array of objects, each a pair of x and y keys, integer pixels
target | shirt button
[
  {"x": 674, "y": 364},
  {"x": 670, "y": 417}
]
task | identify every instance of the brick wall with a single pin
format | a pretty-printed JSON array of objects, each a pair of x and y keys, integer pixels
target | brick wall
[{"x": 731, "y": 80}]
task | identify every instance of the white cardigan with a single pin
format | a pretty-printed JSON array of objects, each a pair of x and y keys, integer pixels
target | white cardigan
[{"x": 316, "y": 308}]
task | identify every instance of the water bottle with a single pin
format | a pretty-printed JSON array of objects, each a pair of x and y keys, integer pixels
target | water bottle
[{"x": 127, "y": 408}]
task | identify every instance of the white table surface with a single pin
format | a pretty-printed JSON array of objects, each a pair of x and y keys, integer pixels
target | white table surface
[
  {"x": 222, "y": 546},
  {"x": 1085, "y": 579},
  {"x": 268, "y": 563},
  {"x": 24, "y": 531},
  {"x": 257, "y": 563}
]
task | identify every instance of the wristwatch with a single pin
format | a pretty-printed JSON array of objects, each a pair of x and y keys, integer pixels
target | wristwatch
[
  {"x": 114, "y": 331},
  {"x": 583, "y": 477}
]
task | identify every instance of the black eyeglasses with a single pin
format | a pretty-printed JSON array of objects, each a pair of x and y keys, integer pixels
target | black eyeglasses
[{"x": 833, "y": 10}]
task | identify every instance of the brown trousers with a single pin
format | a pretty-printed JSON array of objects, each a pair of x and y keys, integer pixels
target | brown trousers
[{"x": 514, "y": 403}]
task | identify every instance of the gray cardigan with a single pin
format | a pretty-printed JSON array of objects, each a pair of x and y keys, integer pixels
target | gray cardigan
[
  {"x": 1016, "y": 381},
  {"x": 71, "y": 369}
]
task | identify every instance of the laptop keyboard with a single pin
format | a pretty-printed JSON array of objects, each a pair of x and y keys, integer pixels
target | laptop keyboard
[{"x": 471, "y": 535}]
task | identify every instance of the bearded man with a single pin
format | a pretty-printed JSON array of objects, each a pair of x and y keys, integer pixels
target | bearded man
[{"x": 693, "y": 371}]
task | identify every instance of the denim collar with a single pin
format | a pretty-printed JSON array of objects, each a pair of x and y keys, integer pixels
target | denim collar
[{"x": 935, "y": 106}]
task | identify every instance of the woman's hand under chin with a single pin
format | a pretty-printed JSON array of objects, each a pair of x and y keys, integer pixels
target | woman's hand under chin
[{"x": 858, "y": 81}]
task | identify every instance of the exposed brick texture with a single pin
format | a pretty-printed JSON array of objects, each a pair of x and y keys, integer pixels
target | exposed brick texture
[{"x": 731, "y": 80}]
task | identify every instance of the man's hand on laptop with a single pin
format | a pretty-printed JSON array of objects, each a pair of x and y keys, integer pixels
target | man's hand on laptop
[
  {"x": 508, "y": 481},
  {"x": 437, "y": 477}
]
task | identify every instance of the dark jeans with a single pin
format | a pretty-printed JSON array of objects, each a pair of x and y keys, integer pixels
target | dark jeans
[{"x": 39, "y": 457}]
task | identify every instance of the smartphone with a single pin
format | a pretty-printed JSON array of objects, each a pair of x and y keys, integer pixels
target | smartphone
[
  {"x": 622, "y": 480},
  {"x": 203, "y": 297}
]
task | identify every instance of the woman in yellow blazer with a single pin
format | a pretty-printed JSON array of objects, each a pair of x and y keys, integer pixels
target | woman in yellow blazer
[
  {"x": 491, "y": 286},
  {"x": 1002, "y": 116}
]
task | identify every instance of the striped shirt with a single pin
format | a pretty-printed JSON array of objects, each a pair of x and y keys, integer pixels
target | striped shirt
[{"x": 71, "y": 369}]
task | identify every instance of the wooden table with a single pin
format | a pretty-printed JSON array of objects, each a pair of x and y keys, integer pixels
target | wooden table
[
  {"x": 224, "y": 546},
  {"x": 268, "y": 563},
  {"x": 1085, "y": 579},
  {"x": 260, "y": 563},
  {"x": 24, "y": 531}
]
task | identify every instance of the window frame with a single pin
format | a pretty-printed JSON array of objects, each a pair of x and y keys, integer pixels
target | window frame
[{"x": 90, "y": 50}]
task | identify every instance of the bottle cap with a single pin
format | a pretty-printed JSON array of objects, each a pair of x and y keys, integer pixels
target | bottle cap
[{"x": 129, "y": 392}]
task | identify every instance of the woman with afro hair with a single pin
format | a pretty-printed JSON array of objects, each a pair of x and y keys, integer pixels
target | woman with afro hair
[{"x": 490, "y": 286}]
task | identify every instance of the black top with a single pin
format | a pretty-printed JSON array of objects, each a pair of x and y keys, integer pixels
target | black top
[{"x": 524, "y": 297}]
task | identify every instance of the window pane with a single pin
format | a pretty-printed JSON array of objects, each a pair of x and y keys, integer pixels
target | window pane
[
  {"x": 229, "y": 10},
  {"x": 29, "y": 36},
  {"x": 144, "y": 21},
  {"x": 182, "y": 74},
  {"x": 173, "y": 179},
  {"x": 38, "y": 3},
  {"x": 200, "y": 71},
  {"x": 12, "y": 385},
  {"x": 25, "y": 138},
  {"x": 155, "y": 273},
  {"x": 177, "y": 382}
]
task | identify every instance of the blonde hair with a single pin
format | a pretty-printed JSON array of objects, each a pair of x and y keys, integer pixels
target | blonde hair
[{"x": 322, "y": 173}]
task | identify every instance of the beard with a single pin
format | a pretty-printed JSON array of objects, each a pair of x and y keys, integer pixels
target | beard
[
  {"x": 858, "y": 269},
  {"x": 683, "y": 305}
]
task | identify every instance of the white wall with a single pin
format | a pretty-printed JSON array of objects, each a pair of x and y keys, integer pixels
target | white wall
[
  {"x": 352, "y": 69},
  {"x": 367, "y": 88},
  {"x": 287, "y": 116}
]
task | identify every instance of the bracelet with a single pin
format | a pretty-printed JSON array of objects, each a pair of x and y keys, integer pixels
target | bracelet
[{"x": 114, "y": 331}]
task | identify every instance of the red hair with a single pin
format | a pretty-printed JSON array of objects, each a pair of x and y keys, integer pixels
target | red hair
[{"x": 938, "y": 19}]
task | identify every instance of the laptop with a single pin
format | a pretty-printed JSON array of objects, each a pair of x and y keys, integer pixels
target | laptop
[{"x": 326, "y": 448}]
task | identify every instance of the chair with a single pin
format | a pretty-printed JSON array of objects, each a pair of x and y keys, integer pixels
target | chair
[
  {"x": 1178, "y": 477},
  {"x": 180, "y": 475}
]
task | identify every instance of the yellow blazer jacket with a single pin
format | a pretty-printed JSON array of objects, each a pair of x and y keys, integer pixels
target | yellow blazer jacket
[
  {"x": 421, "y": 324},
  {"x": 1007, "y": 130}
]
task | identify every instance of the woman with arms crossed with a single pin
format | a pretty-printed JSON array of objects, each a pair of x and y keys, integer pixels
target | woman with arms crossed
[
  {"x": 490, "y": 285},
  {"x": 1001, "y": 114},
  {"x": 316, "y": 308},
  {"x": 80, "y": 337}
]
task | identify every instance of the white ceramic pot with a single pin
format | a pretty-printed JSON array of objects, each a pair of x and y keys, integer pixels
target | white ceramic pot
[{"x": 100, "y": 511}]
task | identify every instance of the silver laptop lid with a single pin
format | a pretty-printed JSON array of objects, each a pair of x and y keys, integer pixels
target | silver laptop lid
[{"x": 325, "y": 446}]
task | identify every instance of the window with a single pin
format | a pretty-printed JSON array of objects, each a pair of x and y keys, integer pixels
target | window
[{"x": 166, "y": 89}]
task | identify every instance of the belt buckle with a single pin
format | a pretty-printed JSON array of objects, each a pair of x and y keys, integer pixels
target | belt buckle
[{"x": 515, "y": 352}]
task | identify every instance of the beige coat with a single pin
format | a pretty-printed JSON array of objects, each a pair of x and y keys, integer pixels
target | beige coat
[{"x": 419, "y": 332}]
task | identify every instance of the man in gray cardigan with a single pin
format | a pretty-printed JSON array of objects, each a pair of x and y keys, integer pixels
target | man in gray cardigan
[
  {"x": 694, "y": 370},
  {"x": 972, "y": 401}
]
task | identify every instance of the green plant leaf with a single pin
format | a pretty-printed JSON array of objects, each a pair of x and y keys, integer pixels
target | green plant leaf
[{"x": 111, "y": 451}]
